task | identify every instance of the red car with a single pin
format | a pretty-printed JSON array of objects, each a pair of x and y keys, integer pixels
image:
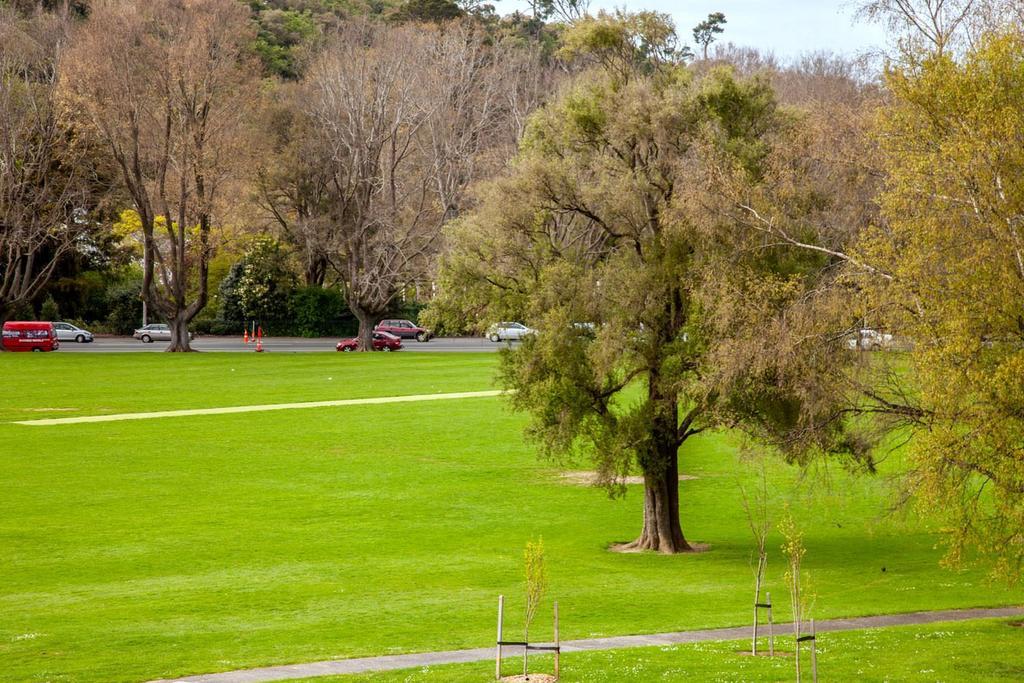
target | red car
[
  {"x": 382, "y": 341},
  {"x": 403, "y": 328},
  {"x": 29, "y": 336}
]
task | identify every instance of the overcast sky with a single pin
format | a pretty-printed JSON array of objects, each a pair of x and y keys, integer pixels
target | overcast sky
[{"x": 786, "y": 27}]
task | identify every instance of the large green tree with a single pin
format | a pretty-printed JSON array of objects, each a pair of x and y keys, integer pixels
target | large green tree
[
  {"x": 949, "y": 274},
  {"x": 613, "y": 233}
]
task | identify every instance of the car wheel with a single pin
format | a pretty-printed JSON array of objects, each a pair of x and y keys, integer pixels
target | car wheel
[
  {"x": 495, "y": 337},
  {"x": 422, "y": 337},
  {"x": 386, "y": 349},
  {"x": 37, "y": 350},
  {"x": 80, "y": 339},
  {"x": 146, "y": 339},
  {"x": 347, "y": 349}
]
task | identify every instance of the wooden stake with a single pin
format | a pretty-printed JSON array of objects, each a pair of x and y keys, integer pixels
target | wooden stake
[
  {"x": 557, "y": 651},
  {"x": 814, "y": 654},
  {"x": 497, "y": 659},
  {"x": 771, "y": 627},
  {"x": 796, "y": 647}
]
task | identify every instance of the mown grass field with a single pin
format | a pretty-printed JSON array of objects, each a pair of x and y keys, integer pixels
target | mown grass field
[{"x": 138, "y": 550}]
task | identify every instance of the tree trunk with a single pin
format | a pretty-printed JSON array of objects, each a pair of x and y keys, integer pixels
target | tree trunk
[
  {"x": 662, "y": 530},
  {"x": 316, "y": 271},
  {"x": 367, "y": 321},
  {"x": 179, "y": 334}
]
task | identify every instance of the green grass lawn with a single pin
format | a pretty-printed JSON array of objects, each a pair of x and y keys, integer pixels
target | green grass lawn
[
  {"x": 988, "y": 650},
  {"x": 146, "y": 549}
]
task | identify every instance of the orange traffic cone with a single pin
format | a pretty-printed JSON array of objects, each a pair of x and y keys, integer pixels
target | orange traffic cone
[
  {"x": 259, "y": 331},
  {"x": 259, "y": 345},
  {"x": 245, "y": 336}
]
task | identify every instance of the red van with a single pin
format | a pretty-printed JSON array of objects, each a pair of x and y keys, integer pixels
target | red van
[{"x": 29, "y": 336}]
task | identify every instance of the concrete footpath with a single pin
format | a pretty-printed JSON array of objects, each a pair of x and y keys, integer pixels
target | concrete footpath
[{"x": 391, "y": 662}]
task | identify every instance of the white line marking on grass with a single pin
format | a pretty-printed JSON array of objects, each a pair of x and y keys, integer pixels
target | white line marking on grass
[{"x": 257, "y": 408}]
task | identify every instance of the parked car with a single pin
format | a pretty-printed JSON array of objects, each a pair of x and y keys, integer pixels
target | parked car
[
  {"x": 508, "y": 330},
  {"x": 382, "y": 341},
  {"x": 404, "y": 329},
  {"x": 29, "y": 336},
  {"x": 870, "y": 340},
  {"x": 69, "y": 332},
  {"x": 155, "y": 332}
]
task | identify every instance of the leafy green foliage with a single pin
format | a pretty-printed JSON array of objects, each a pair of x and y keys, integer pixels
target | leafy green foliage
[
  {"x": 319, "y": 312},
  {"x": 951, "y": 255},
  {"x": 124, "y": 307},
  {"x": 536, "y": 581},
  {"x": 436, "y": 11},
  {"x": 259, "y": 286},
  {"x": 49, "y": 309},
  {"x": 283, "y": 33}
]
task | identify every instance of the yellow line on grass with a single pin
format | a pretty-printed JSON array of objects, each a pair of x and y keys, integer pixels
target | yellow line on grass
[{"x": 256, "y": 408}]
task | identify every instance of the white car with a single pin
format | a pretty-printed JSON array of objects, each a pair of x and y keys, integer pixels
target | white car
[
  {"x": 870, "y": 340},
  {"x": 68, "y": 332},
  {"x": 508, "y": 330}
]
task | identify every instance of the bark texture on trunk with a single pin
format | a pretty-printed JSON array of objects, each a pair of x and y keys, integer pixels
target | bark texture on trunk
[
  {"x": 662, "y": 530},
  {"x": 367, "y": 321},
  {"x": 180, "y": 342}
]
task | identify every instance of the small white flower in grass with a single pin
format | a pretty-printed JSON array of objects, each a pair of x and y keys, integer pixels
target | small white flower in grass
[{"x": 25, "y": 636}]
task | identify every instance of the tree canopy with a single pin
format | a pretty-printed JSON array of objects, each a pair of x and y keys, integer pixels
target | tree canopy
[
  {"x": 612, "y": 232},
  {"x": 951, "y": 248}
]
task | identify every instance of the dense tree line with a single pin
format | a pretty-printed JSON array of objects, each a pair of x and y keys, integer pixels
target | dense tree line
[{"x": 351, "y": 152}]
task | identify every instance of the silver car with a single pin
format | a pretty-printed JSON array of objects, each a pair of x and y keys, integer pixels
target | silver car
[
  {"x": 870, "y": 340},
  {"x": 508, "y": 330},
  {"x": 155, "y": 332},
  {"x": 68, "y": 332}
]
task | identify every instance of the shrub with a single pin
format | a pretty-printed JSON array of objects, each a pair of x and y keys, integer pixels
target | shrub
[
  {"x": 49, "y": 310},
  {"x": 124, "y": 308},
  {"x": 320, "y": 312}
]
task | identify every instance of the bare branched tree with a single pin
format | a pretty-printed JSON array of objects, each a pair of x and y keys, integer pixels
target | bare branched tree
[
  {"x": 165, "y": 87},
  {"x": 290, "y": 191},
  {"x": 42, "y": 195},
  {"x": 936, "y": 24},
  {"x": 566, "y": 11},
  {"x": 374, "y": 153},
  {"x": 381, "y": 220},
  {"x": 469, "y": 90}
]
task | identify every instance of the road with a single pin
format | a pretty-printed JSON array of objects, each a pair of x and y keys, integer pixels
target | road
[{"x": 275, "y": 344}]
